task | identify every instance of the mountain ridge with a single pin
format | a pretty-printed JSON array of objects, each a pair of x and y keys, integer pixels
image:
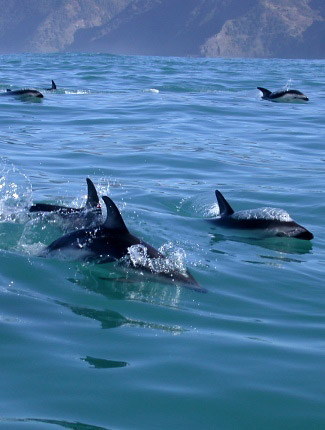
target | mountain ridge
[{"x": 208, "y": 28}]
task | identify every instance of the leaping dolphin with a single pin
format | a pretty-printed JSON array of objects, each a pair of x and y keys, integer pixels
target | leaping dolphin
[
  {"x": 268, "y": 221},
  {"x": 112, "y": 241},
  {"x": 90, "y": 214},
  {"x": 283, "y": 95}
]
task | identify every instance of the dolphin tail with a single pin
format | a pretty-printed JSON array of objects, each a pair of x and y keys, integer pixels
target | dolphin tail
[
  {"x": 92, "y": 200},
  {"x": 224, "y": 206},
  {"x": 265, "y": 92},
  {"x": 53, "y": 85}
]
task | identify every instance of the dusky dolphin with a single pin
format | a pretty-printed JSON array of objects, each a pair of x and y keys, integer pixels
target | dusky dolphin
[
  {"x": 283, "y": 95},
  {"x": 28, "y": 92},
  {"x": 112, "y": 241},
  {"x": 53, "y": 86},
  {"x": 86, "y": 216},
  {"x": 266, "y": 221}
]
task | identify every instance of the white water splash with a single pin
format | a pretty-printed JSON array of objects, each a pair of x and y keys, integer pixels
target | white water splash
[
  {"x": 152, "y": 90},
  {"x": 288, "y": 84},
  {"x": 77, "y": 92},
  {"x": 213, "y": 211},
  {"x": 173, "y": 260},
  {"x": 15, "y": 193}
]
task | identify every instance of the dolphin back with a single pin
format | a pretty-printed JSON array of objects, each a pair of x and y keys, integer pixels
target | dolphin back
[
  {"x": 53, "y": 86},
  {"x": 92, "y": 203},
  {"x": 265, "y": 92},
  {"x": 45, "y": 207},
  {"x": 92, "y": 199},
  {"x": 114, "y": 220}
]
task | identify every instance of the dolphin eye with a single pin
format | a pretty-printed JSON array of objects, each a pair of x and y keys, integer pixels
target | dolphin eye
[{"x": 280, "y": 234}]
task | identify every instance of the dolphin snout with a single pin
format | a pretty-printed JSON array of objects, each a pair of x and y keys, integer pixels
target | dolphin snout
[{"x": 305, "y": 235}]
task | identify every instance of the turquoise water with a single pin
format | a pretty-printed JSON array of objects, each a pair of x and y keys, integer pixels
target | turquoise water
[{"x": 86, "y": 347}]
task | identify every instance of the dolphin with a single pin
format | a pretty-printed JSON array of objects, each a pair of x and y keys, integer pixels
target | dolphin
[
  {"x": 23, "y": 93},
  {"x": 112, "y": 241},
  {"x": 52, "y": 88},
  {"x": 90, "y": 214},
  {"x": 283, "y": 95},
  {"x": 268, "y": 221}
]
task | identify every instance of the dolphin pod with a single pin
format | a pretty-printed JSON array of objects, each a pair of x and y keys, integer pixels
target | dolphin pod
[
  {"x": 28, "y": 92},
  {"x": 266, "y": 221},
  {"x": 111, "y": 241},
  {"x": 283, "y": 95}
]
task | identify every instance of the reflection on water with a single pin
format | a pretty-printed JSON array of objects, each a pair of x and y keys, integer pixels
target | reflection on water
[
  {"x": 101, "y": 363},
  {"x": 111, "y": 319},
  {"x": 117, "y": 282},
  {"x": 278, "y": 244},
  {"x": 64, "y": 424}
]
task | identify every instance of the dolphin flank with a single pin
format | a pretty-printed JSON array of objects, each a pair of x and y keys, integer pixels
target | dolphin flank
[
  {"x": 283, "y": 95},
  {"x": 269, "y": 221}
]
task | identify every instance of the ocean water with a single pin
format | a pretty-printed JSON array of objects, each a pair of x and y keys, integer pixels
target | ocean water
[{"x": 86, "y": 347}]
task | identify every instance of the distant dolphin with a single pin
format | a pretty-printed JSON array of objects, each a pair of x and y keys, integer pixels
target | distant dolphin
[
  {"x": 84, "y": 217},
  {"x": 23, "y": 93},
  {"x": 269, "y": 221},
  {"x": 53, "y": 86},
  {"x": 112, "y": 241},
  {"x": 283, "y": 95}
]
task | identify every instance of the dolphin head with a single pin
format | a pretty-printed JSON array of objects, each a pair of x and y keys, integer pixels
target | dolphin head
[
  {"x": 294, "y": 230},
  {"x": 305, "y": 234},
  {"x": 30, "y": 93},
  {"x": 298, "y": 95}
]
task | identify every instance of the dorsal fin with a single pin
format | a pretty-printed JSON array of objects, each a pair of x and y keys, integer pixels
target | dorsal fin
[
  {"x": 8, "y": 91},
  {"x": 114, "y": 220},
  {"x": 224, "y": 206},
  {"x": 264, "y": 91},
  {"x": 53, "y": 85},
  {"x": 92, "y": 199}
]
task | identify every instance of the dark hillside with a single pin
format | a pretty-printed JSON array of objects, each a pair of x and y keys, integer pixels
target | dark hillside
[
  {"x": 216, "y": 28},
  {"x": 168, "y": 27}
]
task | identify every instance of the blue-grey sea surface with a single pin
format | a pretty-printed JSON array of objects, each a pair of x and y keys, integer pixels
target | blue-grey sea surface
[{"x": 88, "y": 346}]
